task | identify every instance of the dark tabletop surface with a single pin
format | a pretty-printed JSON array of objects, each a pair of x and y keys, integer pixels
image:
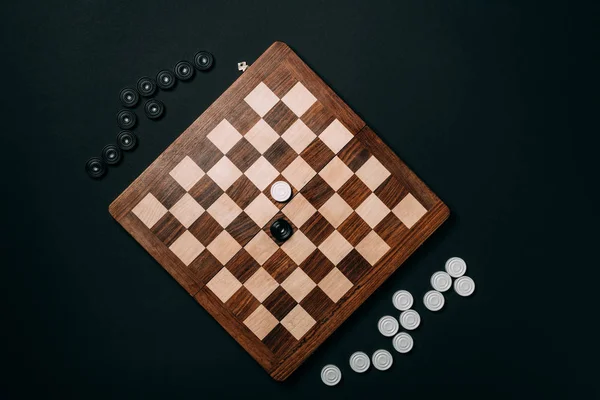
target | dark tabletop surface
[{"x": 487, "y": 101}]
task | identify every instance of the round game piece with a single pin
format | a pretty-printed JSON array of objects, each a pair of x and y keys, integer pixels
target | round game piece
[
  {"x": 129, "y": 97},
  {"x": 146, "y": 86},
  {"x": 184, "y": 71},
  {"x": 433, "y": 300},
  {"x": 111, "y": 154},
  {"x": 126, "y": 119},
  {"x": 203, "y": 60},
  {"x": 464, "y": 286},
  {"x": 95, "y": 167},
  {"x": 410, "y": 319},
  {"x": 154, "y": 109},
  {"x": 441, "y": 281},
  {"x": 382, "y": 360},
  {"x": 456, "y": 267},
  {"x": 403, "y": 342},
  {"x": 388, "y": 326},
  {"x": 331, "y": 375},
  {"x": 281, "y": 191},
  {"x": 359, "y": 362},
  {"x": 165, "y": 79},
  {"x": 281, "y": 230},
  {"x": 402, "y": 300},
  {"x": 126, "y": 140}
]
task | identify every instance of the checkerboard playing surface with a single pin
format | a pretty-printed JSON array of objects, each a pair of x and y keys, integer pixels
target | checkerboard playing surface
[{"x": 203, "y": 209}]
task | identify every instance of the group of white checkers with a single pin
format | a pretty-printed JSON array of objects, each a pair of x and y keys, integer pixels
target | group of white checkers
[{"x": 409, "y": 319}]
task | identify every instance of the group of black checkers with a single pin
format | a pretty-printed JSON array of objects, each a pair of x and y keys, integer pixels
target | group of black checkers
[{"x": 146, "y": 87}]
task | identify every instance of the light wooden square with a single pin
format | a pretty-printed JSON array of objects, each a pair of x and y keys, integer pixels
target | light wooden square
[
  {"x": 261, "y": 136},
  {"x": 409, "y": 210},
  {"x": 372, "y": 210},
  {"x": 187, "y": 210},
  {"x": 336, "y": 136},
  {"x": 261, "y": 322},
  {"x": 298, "y": 322},
  {"x": 335, "y": 247},
  {"x": 261, "y": 210},
  {"x": 149, "y": 210},
  {"x": 261, "y": 173},
  {"x": 224, "y": 136},
  {"x": 224, "y": 285},
  {"x": 335, "y": 210},
  {"x": 261, "y": 284},
  {"x": 372, "y": 247},
  {"x": 335, "y": 285},
  {"x": 373, "y": 173},
  {"x": 261, "y": 99},
  {"x": 187, "y": 173},
  {"x": 298, "y": 247},
  {"x": 186, "y": 247},
  {"x": 223, "y": 247},
  {"x": 224, "y": 173},
  {"x": 299, "y": 210},
  {"x": 298, "y": 284},
  {"x": 224, "y": 210},
  {"x": 336, "y": 173},
  {"x": 261, "y": 247},
  {"x": 298, "y": 173},
  {"x": 299, "y": 99},
  {"x": 298, "y": 136}
]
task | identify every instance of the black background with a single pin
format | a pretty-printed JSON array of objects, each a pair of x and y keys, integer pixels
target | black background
[{"x": 478, "y": 97}]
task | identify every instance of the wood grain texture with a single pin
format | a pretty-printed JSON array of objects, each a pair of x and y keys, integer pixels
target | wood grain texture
[{"x": 279, "y": 301}]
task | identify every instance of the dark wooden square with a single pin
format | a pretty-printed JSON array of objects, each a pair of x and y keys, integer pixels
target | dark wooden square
[
  {"x": 392, "y": 230},
  {"x": 242, "y": 228},
  {"x": 280, "y": 117},
  {"x": 205, "y": 154},
  {"x": 243, "y": 192},
  {"x": 391, "y": 192},
  {"x": 317, "y": 118},
  {"x": 279, "y": 265},
  {"x": 317, "y": 154},
  {"x": 280, "y": 81},
  {"x": 354, "y": 229},
  {"x": 242, "y": 265},
  {"x": 168, "y": 229},
  {"x": 354, "y": 154},
  {"x": 354, "y": 191},
  {"x": 205, "y": 229},
  {"x": 279, "y": 340},
  {"x": 279, "y": 303},
  {"x": 243, "y": 154},
  {"x": 317, "y": 191},
  {"x": 242, "y": 303},
  {"x": 167, "y": 191},
  {"x": 243, "y": 117},
  {"x": 205, "y": 191},
  {"x": 354, "y": 266},
  {"x": 318, "y": 304},
  {"x": 204, "y": 267},
  {"x": 317, "y": 266},
  {"x": 317, "y": 228},
  {"x": 280, "y": 154}
]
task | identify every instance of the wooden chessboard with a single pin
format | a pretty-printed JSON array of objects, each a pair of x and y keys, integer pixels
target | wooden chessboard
[{"x": 203, "y": 210}]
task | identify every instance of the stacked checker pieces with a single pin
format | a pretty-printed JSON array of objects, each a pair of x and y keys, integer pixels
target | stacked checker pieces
[{"x": 212, "y": 209}]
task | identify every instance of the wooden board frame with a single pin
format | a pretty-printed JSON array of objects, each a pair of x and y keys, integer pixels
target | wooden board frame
[{"x": 282, "y": 365}]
